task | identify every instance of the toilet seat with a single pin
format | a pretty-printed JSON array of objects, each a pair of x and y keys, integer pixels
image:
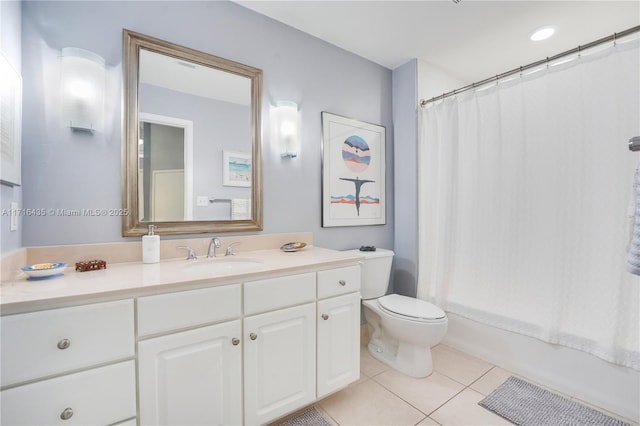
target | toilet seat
[{"x": 410, "y": 307}]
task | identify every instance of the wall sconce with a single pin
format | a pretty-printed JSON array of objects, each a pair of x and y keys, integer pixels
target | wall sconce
[
  {"x": 285, "y": 128},
  {"x": 83, "y": 81}
]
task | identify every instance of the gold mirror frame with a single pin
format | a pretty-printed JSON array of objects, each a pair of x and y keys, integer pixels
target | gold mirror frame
[{"x": 131, "y": 224}]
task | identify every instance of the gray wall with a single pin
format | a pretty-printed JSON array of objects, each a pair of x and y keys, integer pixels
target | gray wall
[
  {"x": 405, "y": 262},
  {"x": 59, "y": 166},
  {"x": 10, "y": 37}
]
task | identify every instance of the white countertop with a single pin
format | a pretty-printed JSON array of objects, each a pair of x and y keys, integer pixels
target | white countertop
[{"x": 123, "y": 280}]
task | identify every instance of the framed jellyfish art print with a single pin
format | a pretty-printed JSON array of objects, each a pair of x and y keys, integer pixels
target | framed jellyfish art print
[{"x": 353, "y": 172}]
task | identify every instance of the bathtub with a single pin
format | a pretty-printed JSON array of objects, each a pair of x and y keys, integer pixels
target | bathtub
[{"x": 583, "y": 376}]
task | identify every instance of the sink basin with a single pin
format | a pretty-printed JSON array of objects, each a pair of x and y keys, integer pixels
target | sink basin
[{"x": 223, "y": 264}]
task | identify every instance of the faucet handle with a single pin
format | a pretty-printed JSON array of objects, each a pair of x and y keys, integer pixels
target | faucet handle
[
  {"x": 191, "y": 255},
  {"x": 229, "y": 251}
]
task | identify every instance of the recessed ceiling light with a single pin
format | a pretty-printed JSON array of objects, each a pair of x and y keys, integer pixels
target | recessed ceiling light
[
  {"x": 542, "y": 33},
  {"x": 187, "y": 64}
]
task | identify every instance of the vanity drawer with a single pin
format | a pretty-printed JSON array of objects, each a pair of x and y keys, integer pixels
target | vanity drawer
[
  {"x": 100, "y": 396},
  {"x": 45, "y": 343},
  {"x": 333, "y": 282},
  {"x": 276, "y": 293},
  {"x": 174, "y": 311}
]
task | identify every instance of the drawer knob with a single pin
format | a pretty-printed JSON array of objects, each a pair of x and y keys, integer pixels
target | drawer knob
[
  {"x": 342, "y": 282},
  {"x": 325, "y": 317},
  {"x": 64, "y": 344},
  {"x": 235, "y": 341},
  {"x": 253, "y": 336},
  {"x": 66, "y": 414}
]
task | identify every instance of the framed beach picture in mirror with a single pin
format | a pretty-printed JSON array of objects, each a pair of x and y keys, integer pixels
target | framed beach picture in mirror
[
  {"x": 236, "y": 168},
  {"x": 353, "y": 172}
]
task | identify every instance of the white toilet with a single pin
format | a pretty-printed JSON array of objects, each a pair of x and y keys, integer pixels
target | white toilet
[{"x": 404, "y": 328}]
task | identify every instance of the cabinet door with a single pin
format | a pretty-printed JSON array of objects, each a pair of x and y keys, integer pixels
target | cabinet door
[
  {"x": 279, "y": 360},
  {"x": 192, "y": 378},
  {"x": 338, "y": 342}
]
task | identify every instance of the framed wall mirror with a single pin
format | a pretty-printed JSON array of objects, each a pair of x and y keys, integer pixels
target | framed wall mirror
[{"x": 191, "y": 141}]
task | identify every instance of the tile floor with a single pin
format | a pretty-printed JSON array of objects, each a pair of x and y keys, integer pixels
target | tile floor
[{"x": 449, "y": 396}]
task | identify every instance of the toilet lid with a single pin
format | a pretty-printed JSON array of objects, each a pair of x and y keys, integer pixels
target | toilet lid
[{"x": 410, "y": 307}]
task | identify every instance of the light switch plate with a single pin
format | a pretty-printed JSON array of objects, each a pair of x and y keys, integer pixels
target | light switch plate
[
  {"x": 202, "y": 201},
  {"x": 14, "y": 217}
]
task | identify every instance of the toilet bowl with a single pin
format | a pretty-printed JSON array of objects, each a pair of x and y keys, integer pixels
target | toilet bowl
[
  {"x": 403, "y": 329},
  {"x": 402, "y": 336}
]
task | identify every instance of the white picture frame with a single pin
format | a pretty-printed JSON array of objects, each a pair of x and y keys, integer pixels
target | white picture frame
[
  {"x": 10, "y": 123},
  {"x": 353, "y": 172},
  {"x": 236, "y": 169}
]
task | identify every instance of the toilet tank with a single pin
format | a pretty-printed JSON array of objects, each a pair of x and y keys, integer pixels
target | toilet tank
[{"x": 376, "y": 271}]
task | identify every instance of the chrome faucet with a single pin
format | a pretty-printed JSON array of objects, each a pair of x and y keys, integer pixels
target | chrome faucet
[
  {"x": 191, "y": 255},
  {"x": 229, "y": 251},
  {"x": 213, "y": 245}
]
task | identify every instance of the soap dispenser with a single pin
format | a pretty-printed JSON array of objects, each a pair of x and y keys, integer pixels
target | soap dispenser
[{"x": 151, "y": 246}]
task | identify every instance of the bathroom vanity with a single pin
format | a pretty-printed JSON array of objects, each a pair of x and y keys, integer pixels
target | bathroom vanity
[{"x": 171, "y": 343}]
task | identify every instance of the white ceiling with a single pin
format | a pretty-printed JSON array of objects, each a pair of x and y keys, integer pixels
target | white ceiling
[
  {"x": 194, "y": 79},
  {"x": 470, "y": 40}
]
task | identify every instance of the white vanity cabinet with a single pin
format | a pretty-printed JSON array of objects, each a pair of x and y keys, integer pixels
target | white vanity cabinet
[
  {"x": 69, "y": 366},
  {"x": 194, "y": 376},
  {"x": 223, "y": 352},
  {"x": 280, "y": 346},
  {"x": 338, "y": 329}
]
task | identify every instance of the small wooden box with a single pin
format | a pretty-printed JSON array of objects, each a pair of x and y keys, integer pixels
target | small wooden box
[{"x": 90, "y": 265}]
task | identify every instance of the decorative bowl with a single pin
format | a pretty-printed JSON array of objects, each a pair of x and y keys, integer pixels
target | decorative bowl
[
  {"x": 295, "y": 246},
  {"x": 44, "y": 270}
]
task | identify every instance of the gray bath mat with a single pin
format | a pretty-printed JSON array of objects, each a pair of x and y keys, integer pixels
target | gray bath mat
[
  {"x": 311, "y": 417},
  {"x": 525, "y": 404}
]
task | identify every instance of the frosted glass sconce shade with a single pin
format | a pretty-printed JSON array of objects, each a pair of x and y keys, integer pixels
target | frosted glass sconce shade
[
  {"x": 285, "y": 128},
  {"x": 83, "y": 80}
]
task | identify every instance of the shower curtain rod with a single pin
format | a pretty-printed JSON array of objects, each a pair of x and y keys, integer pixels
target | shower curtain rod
[{"x": 613, "y": 37}]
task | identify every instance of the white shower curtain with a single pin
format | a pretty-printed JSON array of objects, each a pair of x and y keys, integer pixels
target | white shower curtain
[{"x": 525, "y": 191}]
